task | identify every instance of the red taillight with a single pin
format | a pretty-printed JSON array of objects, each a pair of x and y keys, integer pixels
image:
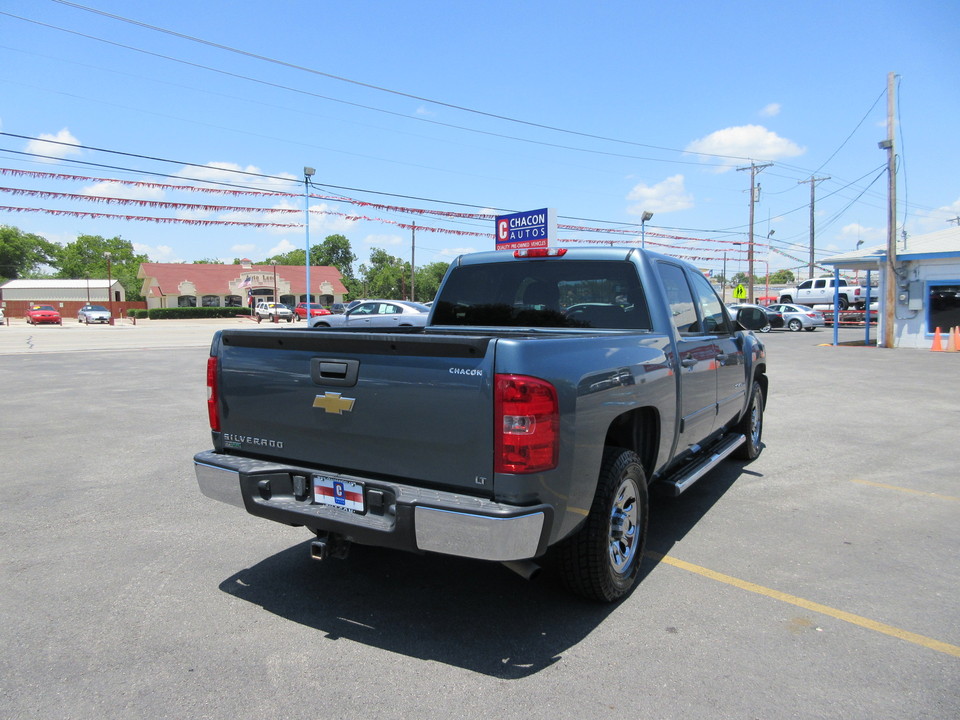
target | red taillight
[
  {"x": 213, "y": 410},
  {"x": 527, "y": 425},
  {"x": 539, "y": 252}
]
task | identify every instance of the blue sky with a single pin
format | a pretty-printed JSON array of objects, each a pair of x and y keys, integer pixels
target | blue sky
[{"x": 601, "y": 110}]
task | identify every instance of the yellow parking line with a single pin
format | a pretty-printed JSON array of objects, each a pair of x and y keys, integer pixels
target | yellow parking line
[
  {"x": 863, "y": 622},
  {"x": 903, "y": 489}
]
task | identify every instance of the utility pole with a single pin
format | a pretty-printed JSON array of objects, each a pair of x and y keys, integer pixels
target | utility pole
[
  {"x": 813, "y": 184},
  {"x": 413, "y": 264},
  {"x": 890, "y": 274},
  {"x": 754, "y": 169}
]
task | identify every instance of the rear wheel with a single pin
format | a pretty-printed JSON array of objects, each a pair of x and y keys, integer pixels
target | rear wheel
[
  {"x": 844, "y": 303},
  {"x": 751, "y": 426},
  {"x": 602, "y": 559}
]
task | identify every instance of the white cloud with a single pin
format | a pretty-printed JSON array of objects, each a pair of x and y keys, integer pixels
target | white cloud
[
  {"x": 243, "y": 250},
  {"x": 120, "y": 190},
  {"x": 454, "y": 252},
  {"x": 51, "y": 149},
  {"x": 737, "y": 145},
  {"x": 226, "y": 172},
  {"x": 666, "y": 196},
  {"x": 284, "y": 246},
  {"x": 853, "y": 232},
  {"x": 381, "y": 240},
  {"x": 158, "y": 253},
  {"x": 771, "y": 110}
]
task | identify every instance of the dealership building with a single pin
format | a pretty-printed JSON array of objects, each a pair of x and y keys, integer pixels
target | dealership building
[
  {"x": 168, "y": 285},
  {"x": 927, "y": 294}
]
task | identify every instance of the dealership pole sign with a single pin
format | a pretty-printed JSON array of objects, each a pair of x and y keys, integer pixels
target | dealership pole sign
[{"x": 529, "y": 229}]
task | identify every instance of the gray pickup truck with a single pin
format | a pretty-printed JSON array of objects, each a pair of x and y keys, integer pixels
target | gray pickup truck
[{"x": 549, "y": 390}]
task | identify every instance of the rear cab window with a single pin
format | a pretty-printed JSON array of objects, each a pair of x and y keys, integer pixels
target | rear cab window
[{"x": 557, "y": 293}]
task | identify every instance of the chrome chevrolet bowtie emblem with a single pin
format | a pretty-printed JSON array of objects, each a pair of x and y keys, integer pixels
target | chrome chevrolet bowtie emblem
[{"x": 333, "y": 403}]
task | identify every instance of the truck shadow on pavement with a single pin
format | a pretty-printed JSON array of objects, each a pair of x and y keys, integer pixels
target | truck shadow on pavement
[{"x": 470, "y": 614}]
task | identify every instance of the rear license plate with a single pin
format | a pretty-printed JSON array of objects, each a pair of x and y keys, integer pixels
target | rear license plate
[{"x": 338, "y": 493}]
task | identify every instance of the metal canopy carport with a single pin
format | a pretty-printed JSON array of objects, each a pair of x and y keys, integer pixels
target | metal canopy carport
[{"x": 866, "y": 261}]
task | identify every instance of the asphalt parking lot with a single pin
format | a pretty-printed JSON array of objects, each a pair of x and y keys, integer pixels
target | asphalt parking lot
[{"x": 819, "y": 581}]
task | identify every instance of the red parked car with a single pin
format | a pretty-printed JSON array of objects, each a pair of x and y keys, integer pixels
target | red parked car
[
  {"x": 43, "y": 314},
  {"x": 315, "y": 310}
]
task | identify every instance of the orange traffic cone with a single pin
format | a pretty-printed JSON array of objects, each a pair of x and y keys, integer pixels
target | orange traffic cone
[
  {"x": 952, "y": 341},
  {"x": 937, "y": 345}
]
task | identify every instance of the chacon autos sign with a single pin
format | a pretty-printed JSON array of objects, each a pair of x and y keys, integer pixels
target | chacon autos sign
[{"x": 532, "y": 228}]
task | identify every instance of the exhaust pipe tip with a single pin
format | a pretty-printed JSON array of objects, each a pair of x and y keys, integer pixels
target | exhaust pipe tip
[{"x": 527, "y": 569}]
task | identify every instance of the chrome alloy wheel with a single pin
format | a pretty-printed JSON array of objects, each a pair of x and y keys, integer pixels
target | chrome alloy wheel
[{"x": 624, "y": 528}]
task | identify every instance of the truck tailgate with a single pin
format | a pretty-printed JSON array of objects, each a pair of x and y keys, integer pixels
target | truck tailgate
[{"x": 346, "y": 401}]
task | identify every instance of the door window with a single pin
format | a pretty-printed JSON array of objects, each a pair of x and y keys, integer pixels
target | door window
[
  {"x": 711, "y": 310},
  {"x": 682, "y": 307}
]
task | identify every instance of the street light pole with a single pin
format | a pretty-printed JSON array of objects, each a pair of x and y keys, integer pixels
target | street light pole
[
  {"x": 643, "y": 227},
  {"x": 308, "y": 173},
  {"x": 109, "y": 286}
]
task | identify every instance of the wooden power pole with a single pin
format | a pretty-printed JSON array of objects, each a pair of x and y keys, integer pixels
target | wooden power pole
[
  {"x": 754, "y": 169},
  {"x": 813, "y": 183},
  {"x": 890, "y": 272}
]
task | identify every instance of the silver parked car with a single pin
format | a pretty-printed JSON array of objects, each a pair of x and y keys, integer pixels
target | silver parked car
[
  {"x": 799, "y": 317},
  {"x": 93, "y": 314},
  {"x": 377, "y": 313}
]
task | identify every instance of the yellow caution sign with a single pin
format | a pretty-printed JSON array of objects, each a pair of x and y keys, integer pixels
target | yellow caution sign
[{"x": 740, "y": 292}]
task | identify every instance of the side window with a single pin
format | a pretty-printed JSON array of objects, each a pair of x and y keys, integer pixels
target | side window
[
  {"x": 711, "y": 310},
  {"x": 819, "y": 284},
  {"x": 805, "y": 285},
  {"x": 681, "y": 300}
]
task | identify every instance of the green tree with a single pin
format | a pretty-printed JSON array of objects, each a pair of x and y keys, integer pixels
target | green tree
[
  {"x": 23, "y": 254},
  {"x": 387, "y": 277},
  {"x": 86, "y": 257},
  {"x": 208, "y": 261},
  {"x": 294, "y": 257},
  {"x": 428, "y": 280},
  {"x": 782, "y": 277},
  {"x": 335, "y": 250}
]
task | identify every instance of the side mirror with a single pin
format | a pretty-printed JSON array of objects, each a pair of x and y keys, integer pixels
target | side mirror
[{"x": 752, "y": 318}]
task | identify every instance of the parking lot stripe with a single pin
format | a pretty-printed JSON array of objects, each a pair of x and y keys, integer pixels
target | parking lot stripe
[
  {"x": 903, "y": 489},
  {"x": 863, "y": 622}
]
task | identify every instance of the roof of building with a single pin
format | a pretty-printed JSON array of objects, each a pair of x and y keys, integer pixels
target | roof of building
[
  {"x": 30, "y": 284},
  {"x": 932, "y": 246},
  {"x": 213, "y": 279}
]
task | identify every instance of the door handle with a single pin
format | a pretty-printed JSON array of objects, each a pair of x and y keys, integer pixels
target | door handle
[
  {"x": 722, "y": 358},
  {"x": 688, "y": 361}
]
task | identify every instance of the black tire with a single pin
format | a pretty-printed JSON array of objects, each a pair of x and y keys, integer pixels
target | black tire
[
  {"x": 766, "y": 328},
  {"x": 786, "y": 299},
  {"x": 844, "y": 303},
  {"x": 795, "y": 325},
  {"x": 751, "y": 426},
  {"x": 602, "y": 559}
]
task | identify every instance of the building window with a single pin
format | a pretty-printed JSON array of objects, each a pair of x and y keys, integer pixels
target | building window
[
  {"x": 187, "y": 301},
  {"x": 211, "y": 301},
  {"x": 233, "y": 301},
  {"x": 944, "y": 306},
  {"x": 290, "y": 300}
]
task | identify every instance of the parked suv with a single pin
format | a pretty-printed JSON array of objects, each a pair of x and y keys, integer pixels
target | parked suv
[
  {"x": 820, "y": 291},
  {"x": 267, "y": 310}
]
